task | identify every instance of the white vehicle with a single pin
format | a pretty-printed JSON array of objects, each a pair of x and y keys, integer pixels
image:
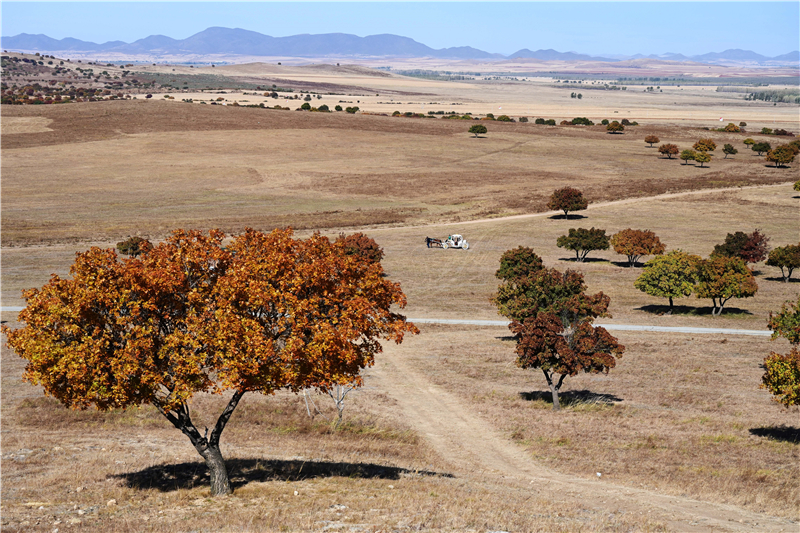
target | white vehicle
[{"x": 452, "y": 241}]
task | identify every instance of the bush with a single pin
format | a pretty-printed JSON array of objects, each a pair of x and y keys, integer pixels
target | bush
[
  {"x": 731, "y": 127},
  {"x": 615, "y": 127},
  {"x": 338, "y": 108},
  {"x": 324, "y": 108},
  {"x": 306, "y": 106},
  {"x": 504, "y": 118},
  {"x": 539, "y": 121},
  {"x": 582, "y": 121},
  {"x": 352, "y": 110},
  {"x": 550, "y": 122},
  {"x": 566, "y": 123},
  {"x": 604, "y": 122},
  {"x": 523, "y": 119}
]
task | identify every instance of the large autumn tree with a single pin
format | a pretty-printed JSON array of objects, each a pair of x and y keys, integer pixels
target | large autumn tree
[
  {"x": 552, "y": 320},
  {"x": 672, "y": 275},
  {"x": 635, "y": 243},
  {"x": 567, "y": 199},
  {"x": 267, "y": 312},
  {"x": 722, "y": 278}
]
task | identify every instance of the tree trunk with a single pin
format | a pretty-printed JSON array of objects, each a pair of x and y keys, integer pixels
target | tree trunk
[
  {"x": 670, "y": 304},
  {"x": 207, "y": 447},
  {"x": 217, "y": 471},
  {"x": 554, "y": 388}
]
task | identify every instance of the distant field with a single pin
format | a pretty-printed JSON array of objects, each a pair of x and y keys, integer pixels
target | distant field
[{"x": 681, "y": 415}]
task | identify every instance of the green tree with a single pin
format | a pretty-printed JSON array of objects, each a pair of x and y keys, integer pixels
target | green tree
[
  {"x": 517, "y": 263},
  {"x": 749, "y": 142},
  {"x": 567, "y": 199},
  {"x": 351, "y": 110},
  {"x": 722, "y": 278},
  {"x": 781, "y": 155},
  {"x": 668, "y": 150},
  {"x": 687, "y": 155},
  {"x": 504, "y": 118},
  {"x": 267, "y": 312},
  {"x": 306, "y": 106},
  {"x": 554, "y": 332},
  {"x": 582, "y": 241},
  {"x": 337, "y": 108},
  {"x": 615, "y": 127},
  {"x": 702, "y": 157},
  {"x": 477, "y": 129},
  {"x": 635, "y": 243},
  {"x": 672, "y": 275},
  {"x": 761, "y": 147},
  {"x": 787, "y": 258},
  {"x": 134, "y": 246},
  {"x": 728, "y": 149}
]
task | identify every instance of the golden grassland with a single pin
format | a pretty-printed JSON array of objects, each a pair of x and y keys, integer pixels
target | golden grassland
[{"x": 681, "y": 414}]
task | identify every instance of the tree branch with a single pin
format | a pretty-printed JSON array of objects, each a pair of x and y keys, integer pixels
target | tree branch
[{"x": 224, "y": 417}]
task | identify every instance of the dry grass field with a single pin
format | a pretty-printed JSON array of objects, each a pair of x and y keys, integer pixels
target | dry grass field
[{"x": 448, "y": 434}]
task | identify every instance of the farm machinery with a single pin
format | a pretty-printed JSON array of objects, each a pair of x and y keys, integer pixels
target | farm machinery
[{"x": 452, "y": 241}]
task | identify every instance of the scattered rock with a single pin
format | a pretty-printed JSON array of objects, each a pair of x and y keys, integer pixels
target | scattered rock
[
  {"x": 296, "y": 493},
  {"x": 81, "y": 512},
  {"x": 74, "y": 521},
  {"x": 391, "y": 486},
  {"x": 338, "y": 507},
  {"x": 79, "y": 489},
  {"x": 111, "y": 503}
]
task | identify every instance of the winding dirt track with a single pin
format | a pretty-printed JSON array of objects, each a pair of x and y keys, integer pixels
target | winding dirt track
[
  {"x": 477, "y": 450},
  {"x": 598, "y": 205}
]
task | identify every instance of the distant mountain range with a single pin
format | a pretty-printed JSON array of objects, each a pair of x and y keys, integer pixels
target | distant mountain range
[{"x": 237, "y": 41}]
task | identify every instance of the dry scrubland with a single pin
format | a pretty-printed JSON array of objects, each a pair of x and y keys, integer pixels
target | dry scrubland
[{"x": 680, "y": 415}]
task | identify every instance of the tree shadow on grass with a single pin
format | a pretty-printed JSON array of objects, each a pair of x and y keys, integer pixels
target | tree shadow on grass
[
  {"x": 571, "y": 397},
  {"x": 586, "y": 260},
  {"x": 780, "y": 278},
  {"x": 170, "y": 477},
  {"x": 781, "y": 433},
  {"x": 626, "y": 264},
  {"x": 571, "y": 216},
  {"x": 689, "y": 310}
]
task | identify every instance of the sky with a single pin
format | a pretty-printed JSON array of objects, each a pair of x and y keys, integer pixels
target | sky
[{"x": 596, "y": 28}]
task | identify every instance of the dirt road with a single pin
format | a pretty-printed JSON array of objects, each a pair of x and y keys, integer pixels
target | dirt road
[{"x": 477, "y": 451}]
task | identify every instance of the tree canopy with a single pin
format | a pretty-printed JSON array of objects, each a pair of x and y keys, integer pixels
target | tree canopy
[
  {"x": 687, "y": 155},
  {"x": 552, "y": 321},
  {"x": 722, "y": 278},
  {"x": 614, "y": 127},
  {"x": 782, "y": 372},
  {"x": 728, "y": 149},
  {"x": 668, "y": 150},
  {"x": 761, "y": 147},
  {"x": 705, "y": 145},
  {"x": 702, "y": 157},
  {"x": 582, "y": 241},
  {"x": 518, "y": 263},
  {"x": 669, "y": 276},
  {"x": 361, "y": 245},
  {"x": 134, "y": 246},
  {"x": 567, "y": 199},
  {"x": 751, "y": 248},
  {"x": 477, "y": 129},
  {"x": 651, "y": 140},
  {"x": 266, "y": 312},
  {"x": 781, "y": 155},
  {"x": 787, "y": 258},
  {"x": 635, "y": 243}
]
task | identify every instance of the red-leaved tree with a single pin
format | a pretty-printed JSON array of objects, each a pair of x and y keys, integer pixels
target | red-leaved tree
[
  {"x": 567, "y": 199},
  {"x": 552, "y": 321}
]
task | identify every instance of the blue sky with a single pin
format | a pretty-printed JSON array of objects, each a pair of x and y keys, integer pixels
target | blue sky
[{"x": 769, "y": 28}]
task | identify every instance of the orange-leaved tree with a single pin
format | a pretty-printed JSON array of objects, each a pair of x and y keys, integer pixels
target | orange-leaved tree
[
  {"x": 267, "y": 312},
  {"x": 361, "y": 245},
  {"x": 651, "y": 140},
  {"x": 552, "y": 321},
  {"x": 722, "y": 278},
  {"x": 635, "y": 243},
  {"x": 782, "y": 371}
]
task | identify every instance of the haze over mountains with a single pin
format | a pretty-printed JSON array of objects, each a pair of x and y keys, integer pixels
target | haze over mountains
[{"x": 217, "y": 40}]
